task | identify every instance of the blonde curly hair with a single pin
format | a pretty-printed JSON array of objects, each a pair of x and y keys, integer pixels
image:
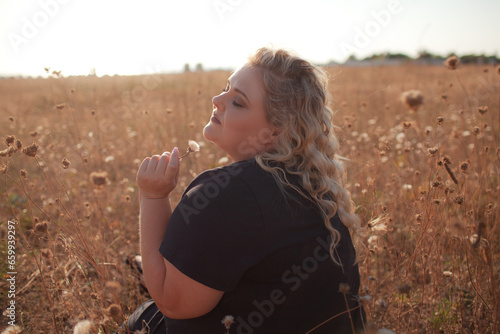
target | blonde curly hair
[{"x": 296, "y": 103}]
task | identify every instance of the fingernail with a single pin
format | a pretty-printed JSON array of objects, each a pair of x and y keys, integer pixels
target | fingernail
[{"x": 176, "y": 150}]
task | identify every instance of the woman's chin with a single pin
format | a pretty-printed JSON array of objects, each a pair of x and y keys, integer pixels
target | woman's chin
[{"x": 207, "y": 132}]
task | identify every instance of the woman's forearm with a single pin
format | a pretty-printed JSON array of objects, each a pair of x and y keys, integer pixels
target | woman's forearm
[{"x": 154, "y": 217}]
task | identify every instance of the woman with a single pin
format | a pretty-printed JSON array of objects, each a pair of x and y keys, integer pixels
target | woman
[{"x": 263, "y": 243}]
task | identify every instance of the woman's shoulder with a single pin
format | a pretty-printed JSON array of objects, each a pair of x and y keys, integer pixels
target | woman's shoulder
[{"x": 246, "y": 171}]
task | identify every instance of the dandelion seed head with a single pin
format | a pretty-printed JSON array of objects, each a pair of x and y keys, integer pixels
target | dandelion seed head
[
  {"x": 452, "y": 62},
  {"x": 365, "y": 299},
  {"x": 109, "y": 158},
  {"x": 83, "y": 327},
  {"x": 12, "y": 330},
  {"x": 193, "y": 146},
  {"x": 227, "y": 321},
  {"x": 447, "y": 273}
]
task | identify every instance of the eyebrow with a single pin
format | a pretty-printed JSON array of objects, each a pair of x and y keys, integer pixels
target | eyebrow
[{"x": 239, "y": 91}]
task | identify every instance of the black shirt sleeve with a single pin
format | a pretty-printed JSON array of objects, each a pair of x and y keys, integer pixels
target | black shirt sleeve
[{"x": 214, "y": 232}]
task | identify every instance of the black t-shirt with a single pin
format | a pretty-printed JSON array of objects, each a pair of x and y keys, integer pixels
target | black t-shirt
[{"x": 236, "y": 232}]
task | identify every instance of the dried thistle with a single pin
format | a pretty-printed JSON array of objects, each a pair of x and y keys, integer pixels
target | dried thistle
[
  {"x": 432, "y": 150},
  {"x": 99, "y": 179},
  {"x": 18, "y": 144},
  {"x": 412, "y": 99},
  {"x": 3, "y": 168},
  {"x": 192, "y": 147},
  {"x": 406, "y": 125},
  {"x": 65, "y": 163},
  {"x": 440, "y": 120},
  {"x": 8, "y": 151},
  {"x": 10, "y": 140},
  {"x": 464, "y": 166},
  {"x": 114, "y": 311},
  {"x": 452, "y": 62},
  {"x": 113, "y": 287},
  {"x": 24, "y": 173},
  {"x": 42, "y": 227},
  {"x": 482, "y": 110},
  {"x": 404, "y": 289},
  {"x": 459, "y": 199},
  {"x": 344, "y": 288},
  {"x": 31, "y": 150}
]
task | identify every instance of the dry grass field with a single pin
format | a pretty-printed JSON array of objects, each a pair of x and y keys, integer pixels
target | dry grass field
[{"x": 425, "y": 179}]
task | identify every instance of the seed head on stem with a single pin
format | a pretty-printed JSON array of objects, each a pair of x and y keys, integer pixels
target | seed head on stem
[{"x": 192, "y": 147}]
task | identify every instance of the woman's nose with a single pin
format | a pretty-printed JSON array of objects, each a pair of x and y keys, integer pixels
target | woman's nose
[{"x": 218, "y": 102}]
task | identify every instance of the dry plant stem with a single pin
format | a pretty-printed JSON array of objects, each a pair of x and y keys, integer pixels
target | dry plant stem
[
  {"x": 188, "y": 151},
  {"x": 336, "y": 315},
  {"x": 493, "y": 284},
  {"x": 39, "y": 266},
  {"x": 88, "y": 254}
]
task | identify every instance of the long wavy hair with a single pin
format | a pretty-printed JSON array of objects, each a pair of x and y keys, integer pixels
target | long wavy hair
[{"x": 297, "y": 103}]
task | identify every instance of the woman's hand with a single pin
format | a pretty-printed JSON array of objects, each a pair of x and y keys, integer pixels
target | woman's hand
[{"x": 157, "y": 175}]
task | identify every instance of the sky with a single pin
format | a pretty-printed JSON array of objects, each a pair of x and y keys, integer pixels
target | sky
[{"x": 157, "y": 36}]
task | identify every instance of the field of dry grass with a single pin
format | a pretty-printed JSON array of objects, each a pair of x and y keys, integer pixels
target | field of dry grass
[{"x": 426, "y": 179}]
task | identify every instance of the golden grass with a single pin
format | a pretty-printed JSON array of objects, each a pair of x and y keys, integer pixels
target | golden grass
[{"x": 425, "y": 179}]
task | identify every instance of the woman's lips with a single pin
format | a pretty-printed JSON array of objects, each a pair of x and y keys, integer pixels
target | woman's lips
[{"x": 215, "y": 120}]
